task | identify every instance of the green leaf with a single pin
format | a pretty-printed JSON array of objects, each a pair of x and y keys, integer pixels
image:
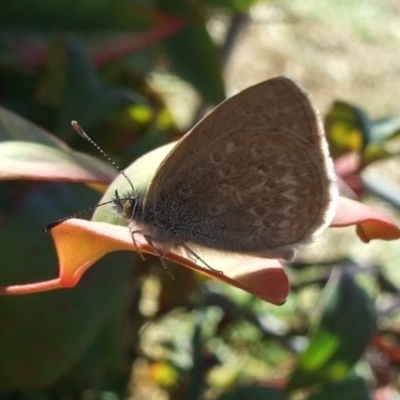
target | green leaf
[
  {"x": 197, "y": 384},
  {"x": 384, "y": 129},
  {"x": 141, "y": 173},
  {"x": 193, "y": 53},
  {"x": 232, "y": 5},
  {"x": 340, "y": 339},
  {"x": 31, "y": 161},
  {"x": 29, "y": 152},
  {"x": 20, "y": 87},
  {"x": 61, "y": 15},
  {"x": 43, "y": 336},
  {"x": 354, "y": 388},
  {"x": 253, "y": 392},
  {"x": 72, "y": 82},
  {"x": 14, "y": 127},
  {"x": 348, "y": 128}
]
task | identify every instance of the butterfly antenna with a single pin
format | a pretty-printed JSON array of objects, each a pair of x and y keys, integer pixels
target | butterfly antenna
[
  {"x": 79, "y": 130},
  {"x": 53, "y": 224}
]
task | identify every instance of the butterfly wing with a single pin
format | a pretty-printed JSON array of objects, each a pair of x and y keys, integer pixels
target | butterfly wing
[{"x": 254, "y": 176}]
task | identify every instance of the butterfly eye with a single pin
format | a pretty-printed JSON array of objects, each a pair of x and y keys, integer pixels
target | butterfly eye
[{"x": 129, "y": 207}]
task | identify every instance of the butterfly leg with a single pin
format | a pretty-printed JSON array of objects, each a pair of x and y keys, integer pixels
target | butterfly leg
[
  {"x": 136, "y": 246},
  {"x": 160, "y": 255},
  {"x": 190, "y": 251}
]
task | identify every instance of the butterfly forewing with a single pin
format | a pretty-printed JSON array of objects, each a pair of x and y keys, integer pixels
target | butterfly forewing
[{"x": 252, "y": 177}]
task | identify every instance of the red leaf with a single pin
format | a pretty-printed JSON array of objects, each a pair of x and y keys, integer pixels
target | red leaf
[
  {"x": 81, "y": 243},
  {"x": 371, "y": 223},
  {"x": 34, "y": 161}
]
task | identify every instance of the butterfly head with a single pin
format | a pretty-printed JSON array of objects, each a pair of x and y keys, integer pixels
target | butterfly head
[{"x": 127, "y": 206}]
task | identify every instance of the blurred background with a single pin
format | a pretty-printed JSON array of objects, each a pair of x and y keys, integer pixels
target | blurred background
[{"x": 138, "y": 74}]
